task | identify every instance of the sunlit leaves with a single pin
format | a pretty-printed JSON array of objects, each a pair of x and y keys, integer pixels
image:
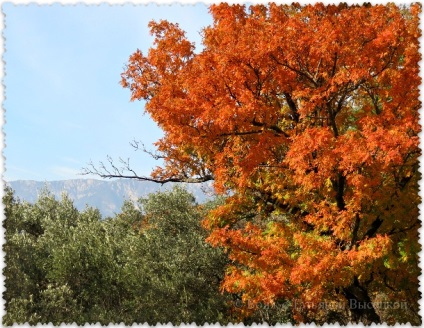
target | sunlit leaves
[{"x": 308, "y": 115}]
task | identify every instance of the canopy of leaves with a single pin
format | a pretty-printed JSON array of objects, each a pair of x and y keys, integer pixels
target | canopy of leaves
[
  {"x": 148, "y": 264},
  {"x": 309, "y": 116}
]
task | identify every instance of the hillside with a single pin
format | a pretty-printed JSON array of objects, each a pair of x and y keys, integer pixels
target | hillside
[{"x": 106, "y": 195}]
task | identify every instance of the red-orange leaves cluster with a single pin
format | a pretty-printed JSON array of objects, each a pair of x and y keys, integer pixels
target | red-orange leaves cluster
[{"x": 309, "y": 116}]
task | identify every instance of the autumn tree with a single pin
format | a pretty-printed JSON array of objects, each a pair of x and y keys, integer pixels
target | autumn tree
[{"x": 308, "y": 116}]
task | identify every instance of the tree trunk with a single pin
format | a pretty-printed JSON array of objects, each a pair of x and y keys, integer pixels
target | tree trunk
[{"x": 360, "y": 305}]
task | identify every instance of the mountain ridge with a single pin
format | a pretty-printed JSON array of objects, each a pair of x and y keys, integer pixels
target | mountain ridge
[{"x": 106, "y": 195}]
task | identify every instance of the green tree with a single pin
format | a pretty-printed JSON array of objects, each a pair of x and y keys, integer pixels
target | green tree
[
  {"x": 174, "y": 274},
  {"x": 27, "y": 287},
  {"x": 148, "y": 264}
]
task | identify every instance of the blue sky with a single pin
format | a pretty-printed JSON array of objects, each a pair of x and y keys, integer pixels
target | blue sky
[{"x": 64, "y": 105}]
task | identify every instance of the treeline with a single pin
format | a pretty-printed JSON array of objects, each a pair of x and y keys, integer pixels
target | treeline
[{"x": 150, "y": 263}]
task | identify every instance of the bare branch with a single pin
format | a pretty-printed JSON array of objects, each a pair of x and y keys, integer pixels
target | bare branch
[
  {"x": 124, "y": 171},
  {"x": 138, "y": 145}
]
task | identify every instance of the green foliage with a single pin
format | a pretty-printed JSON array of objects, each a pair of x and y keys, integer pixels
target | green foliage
[{"x": 148, "y": 264}]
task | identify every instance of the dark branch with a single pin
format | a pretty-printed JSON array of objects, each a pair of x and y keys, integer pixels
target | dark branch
[
  {"x": 292, "y": 107},
  {"x": 375, "y": 225},
  {"x": 138, "y": 145},
  {"x": 339, "y": 186},
  {"x": 125, "y": 171},
  {"x": 355, "y": 232},
  {"x": 274, "y": 128},
  {"x": 333, "y": 70},
  {"x": 394, "y": 231},
  {"x": 239, "y": 133}
]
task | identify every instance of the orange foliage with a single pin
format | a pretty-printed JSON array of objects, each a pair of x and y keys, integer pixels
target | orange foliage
[{"x": 309, "y": 116}]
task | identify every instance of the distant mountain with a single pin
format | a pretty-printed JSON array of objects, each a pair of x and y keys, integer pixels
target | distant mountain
[{"x": 108, "y": 196}]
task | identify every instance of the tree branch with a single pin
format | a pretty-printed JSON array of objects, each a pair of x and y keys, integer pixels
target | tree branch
[
  {"x": 355, "y": 232},
  {"x": 274, "y": 128},
  {"x": 138, "y": 145},
  {"x": 111, "y": 171},
  {"x": 375, "y": 225},
  {"x": 292, "y": 106}
]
